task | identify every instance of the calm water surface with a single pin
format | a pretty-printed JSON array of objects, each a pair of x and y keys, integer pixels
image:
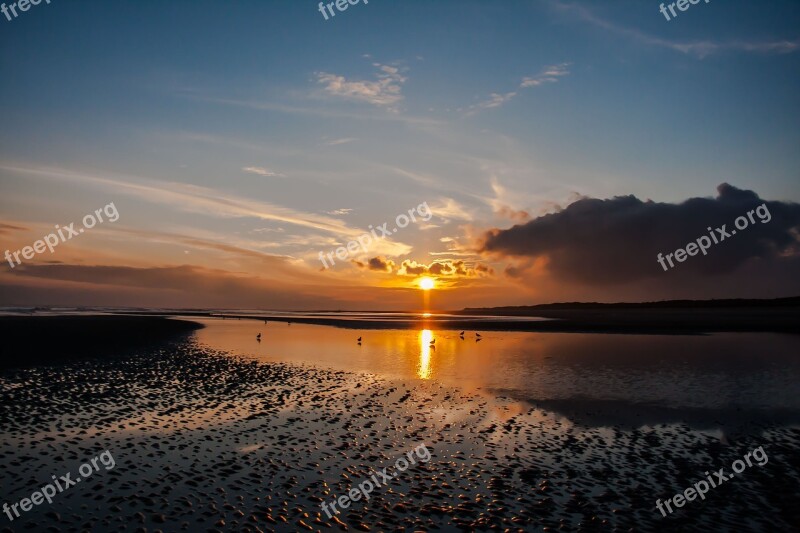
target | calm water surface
[{"x": 707, "y": 380}]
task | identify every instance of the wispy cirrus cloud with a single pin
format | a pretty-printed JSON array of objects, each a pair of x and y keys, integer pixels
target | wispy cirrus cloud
[
  {"x": 549, "y": 74},
  {"x": 450, "y": 209},
  {"x": 503, "y": 200},
  {"x": 195, "y": 199},
  {"x": 337, "y": 142},
  {"x": 700, "y": 49},
  {"x": 339, "y": 212},
  {"x": 261, "y": 171},
  {"x": 495, "y": 100},
  {"x": 315, "y": 111},
  {"x": 215, "y": 203},
  {"x": 386, "y": 91}
]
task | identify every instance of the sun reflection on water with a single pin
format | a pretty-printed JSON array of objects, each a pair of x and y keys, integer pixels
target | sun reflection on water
[{"x": 424, "y": 370}]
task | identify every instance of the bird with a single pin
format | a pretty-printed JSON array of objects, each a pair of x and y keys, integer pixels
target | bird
[
  {"x": 359, "y": 339},
  {"x": 462, "y": 333},
  {"x": 258, "y": 337},
  {"x": 433, "y": 341},
  {"x": 477, "y": 334}
]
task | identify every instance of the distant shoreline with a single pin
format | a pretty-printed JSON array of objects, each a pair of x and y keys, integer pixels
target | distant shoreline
[
  {"x": 674, "y": 321},
  {"x": 727, "y": 303},
  {"x": 677, "y": 322}
]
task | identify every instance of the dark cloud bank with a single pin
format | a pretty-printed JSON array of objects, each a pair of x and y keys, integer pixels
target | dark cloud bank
[{"x": 616, "y": 241}]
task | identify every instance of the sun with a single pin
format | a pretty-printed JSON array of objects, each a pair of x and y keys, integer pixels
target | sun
[{"x": 426, "y": 284}]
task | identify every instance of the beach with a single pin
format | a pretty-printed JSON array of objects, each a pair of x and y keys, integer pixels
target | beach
[
  {"x": 212, "y": 440},
  {"x": 521, "y": 266}
]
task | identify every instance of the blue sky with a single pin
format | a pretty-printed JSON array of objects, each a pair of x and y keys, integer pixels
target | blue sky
[{"x": 479, "y": 108}]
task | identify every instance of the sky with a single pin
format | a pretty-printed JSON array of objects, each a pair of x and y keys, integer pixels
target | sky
[{"x": 554, "y": 148}]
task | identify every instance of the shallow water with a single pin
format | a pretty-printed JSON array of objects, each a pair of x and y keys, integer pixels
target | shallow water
[{"x": 708, "y": 381}]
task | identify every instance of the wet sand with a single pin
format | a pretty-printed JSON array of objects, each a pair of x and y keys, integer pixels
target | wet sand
[
  {"x": 207, "y": 441},
  {"x": 32, "y": 340}
]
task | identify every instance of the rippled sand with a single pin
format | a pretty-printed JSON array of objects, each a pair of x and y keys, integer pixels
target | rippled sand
[{"x": 208, "y": 442}]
